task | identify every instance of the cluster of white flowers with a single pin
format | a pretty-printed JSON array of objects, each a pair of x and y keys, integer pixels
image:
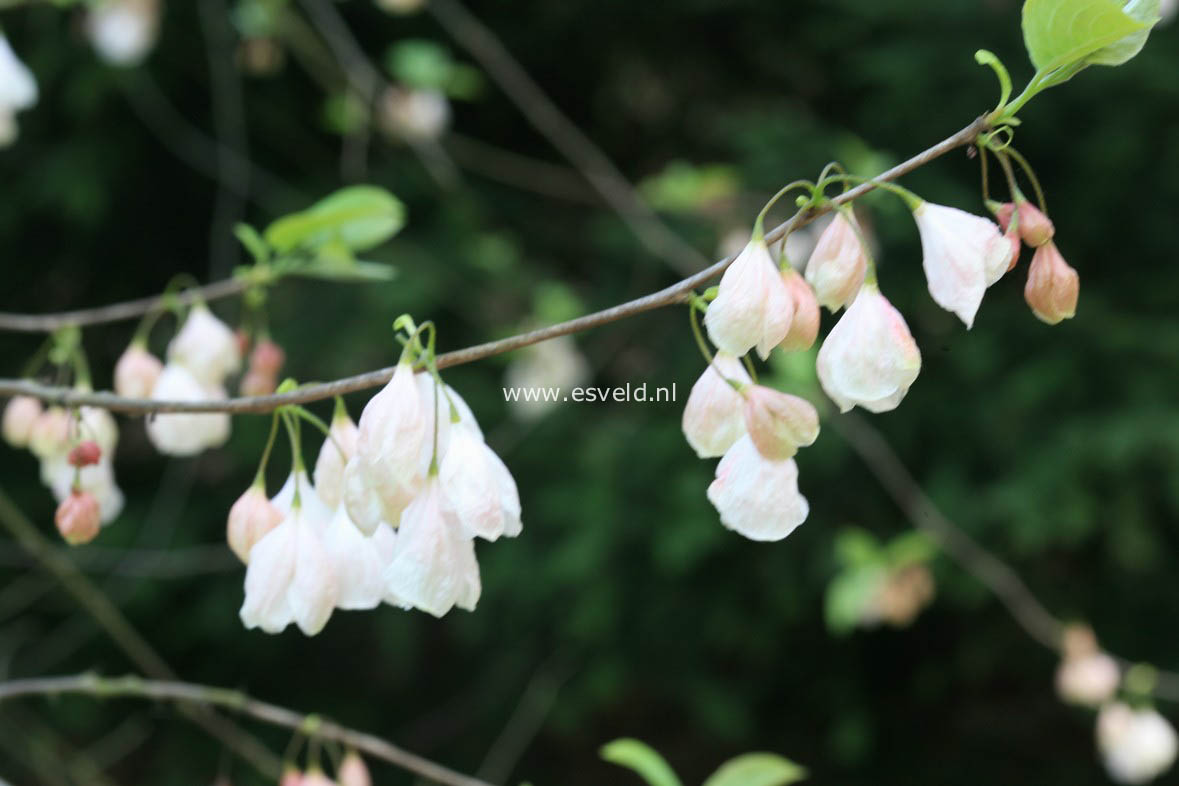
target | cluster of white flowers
[
  {"x": 76, "y": 450},
  {"x": 869, "y": 359},
  {"x": 1137, "y": 744},
  {"x": 391, "y": 515},
  {"x": 18, "y": 91}
]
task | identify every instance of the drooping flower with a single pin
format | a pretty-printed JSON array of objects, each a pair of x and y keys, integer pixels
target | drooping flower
[
  {"x": 78, "y": 518},
  {"x": 1086, "y": 675},
  {"x": 1053, "y": 286},
  {"x": 1035, "y": 228},
  {"x": 49, "y": 435},
  {"x": 123, "y": 32},
  {"x": 713, "y": 416},
  {"x": 962, "y": 255},
  {"x": 478, "y": 487},
  {"x": 205, "y": 346},
  {"x": 96, "y": 479},
  {"x": 433, "y": 566},
  {"x": 250, "y": 519},
  {"x": 187, "y": 433},
  {"x": 97, "y": 424},
  {"x": 1137, "y": 746},
  {"x": 316, "y": 777},
  {"x": 779, "y": 423},
  {"x": 352, "y": 771},
  {"x": 334, "y": 454},
  {"x": 804, "y": 326},
  {"x": 755, "y": 496},
  {"x": 357, "y": 562},
  {"x": 136, "y": 372},
  {"x": 291, "y": 576},
  {"x": 18, "y": 90},
  {"x": 838, "y": 263},
  {"x": 391, "y": 439},
  {"x": 753, "y": 308},
  {"x": 869, "y": 358},
  {"x": 20, "y": 414},
  {"x": 266, "y": 361}
]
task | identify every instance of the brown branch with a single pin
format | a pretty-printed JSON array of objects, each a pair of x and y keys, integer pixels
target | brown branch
[
  {"x": 673, "y": 294},
  {"x": 208, "y": 696}
]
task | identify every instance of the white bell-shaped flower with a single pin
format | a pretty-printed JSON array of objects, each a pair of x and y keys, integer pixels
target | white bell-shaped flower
[
  {"x": 357, "y": 561},
  {"x": 1137, "y": 746},
  {"x": 334, "y": 454},
  {"x": 869, "y": 358},
  {"x": 96, "y": 479},
  {"x": 95, "y": 423},
  {"x": 962, "y": 254},
  {"x": 18, "y": 90},
  {"x": 20, "y": 414},
  {"x": 206, "y": 347},
  {"x": 414, "y": 114},
  {"x": 838, "y": 263},
  {"x": 250, "y": 519},
  {"x": 478, "y": 487},
  {"x": 49, "y": 435},
  {"x": 713, "y": 418},
  {"x": 136, "y": 372},
  {"x": 1090, "y": 679},
  {"x": 753, "y": 306},
  {"x": 364, "y": 505},
  {"x": 392, "y": 437},
  {"x": 186, "y": 433},
  {"x": 779, "y": 423},
  {"x": 757, "y": 497},
  {"x": 384, "y": 539},
  {"x": 434, "y": 566},
  {"x": 123, "y": 32}
]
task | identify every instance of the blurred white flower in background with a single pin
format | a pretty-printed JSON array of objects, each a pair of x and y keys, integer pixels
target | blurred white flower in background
[
  {"x": 556, "y": 363},
  {"x": 1136, "y": 745},
  {"x": 124, "y": 32},
  {"x": 18, "y": 90}
]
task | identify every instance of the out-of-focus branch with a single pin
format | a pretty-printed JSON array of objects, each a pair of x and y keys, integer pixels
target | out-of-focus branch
[
  {"x": 209, "y": 696},
  {"x": 664, "y": 297}
]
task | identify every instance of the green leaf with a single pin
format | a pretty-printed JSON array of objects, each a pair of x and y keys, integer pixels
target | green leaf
[
  {"x": 253, "y": 242},
  {"x": 1061, "y": 33},
  {"x": 849, "y": 594},
  {"x": 359, "y": 272},
  {"x": 757, "y": 769},
  {"x": 421, "y": 64},
  {"x": 640, "y": 757},
  {"x": 1144, "y": 11},
  {"x": 360, "y": 217},
  {"x": 909, "y": 548},
  {"x": 855, "y": 546}
]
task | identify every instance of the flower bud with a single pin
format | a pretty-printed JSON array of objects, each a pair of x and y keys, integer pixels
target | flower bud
[
  {"x": 78, "y": 518},
  {"x": 84, "y": 454},
  {"x": 1053, "y": 286},
  {"x": 19, "y": 416},
  {"x": 50, "y": 433},
  {"x": 267, "y": 357},
  {"x": 1003, "y": 214},
  {"x": 353, "y": 771},
  {"x": 1089, "y": 680},
  {"x": 804, "y": 326},
  {"x": 838, "y": 264},
  {"x": 258, "y": 383},
  {"x": 1136, "y": 745},
  {"x": 1035, "y": 228},
  {"x": 778, "y": 423},
  {"x": 250, "y": 518},
  {"x": 136, "y": 372}
]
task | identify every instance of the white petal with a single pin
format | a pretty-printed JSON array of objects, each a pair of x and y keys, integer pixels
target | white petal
[
  {"x": 358, "y": 564},
  {"x": 756, "y": 497},
  {"x": 960, "y": 255},
  {"x": 315, "y": 585},
  {"x": 268, "y": 577},
  {"x": 329, "y": 466},
  {"x": 206, "y": 347},
  {"x": 184, "y": 434},
  {"x": 713, "y": 418},
  {"x": 752, "y": 307}
]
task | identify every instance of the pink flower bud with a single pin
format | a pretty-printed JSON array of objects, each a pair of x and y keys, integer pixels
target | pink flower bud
[
  {"x": 838, "y": 264},
  {"x": 78, "y": 518},
  {"x": 804, "y": 327},
  {"x": 352, "y": 771},
  {"x": 267, "y": 357},
  {"x": 1035, "y": 228},
  {"x": 243, "y": 343},
  {"x": 50, "y": 434},
  {"x": 136, "y": 372},
  {"x": 778, "y": 423},
  {"x": 291, "y": 777},
  {"x": 258, "y": 383},
  {"x": 251, "y": 517},
  {"x": 84, "y": 454},
  {"x": 1004, "y": 213},
  {"x": 1052, "y": 287},
  {"x": 19, "y": 416},
  {"x": 316, "y": 777}
]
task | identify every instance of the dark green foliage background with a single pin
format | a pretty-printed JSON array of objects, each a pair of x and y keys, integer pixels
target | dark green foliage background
[{"x": 1058, "y": 448}]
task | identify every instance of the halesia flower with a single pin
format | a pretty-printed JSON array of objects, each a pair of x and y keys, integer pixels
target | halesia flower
[
  {"x": 256, "y": 383},
  {"x": 804, "y": 326},
  {"x": 353, "y": 771},
  {"x": 869, "y": 358},
  {"x": 779, "y": 423},
  {"x": 479, "y": 489},
  {"x": 97, "y": 479},
  {"x": 334, "y": 454},
  {"x": 364, "y": 506},
  {"x": 123, "y": 32},
  {"x": 95, "y": 423},
  {"x": 556, "y": 363},
  {"x": 838, "y": 264},
  {"x": 753, "y": 307},
  {"x": 434, "y": 567},
  {"x": 250, "y": 519},
  {"x": 962, "y": 254},
  {"x": 267, "y": 357},
  {"x": 205, "y": 346},
  {"x": 18, "y": 90},
  {"x": 291, "y": 576},
  {"x": 136, "y": 372},
  {"x": 391, "y": 439},
  {"x": 1053, "y": 286},
  {"x": 757, "y": 497},
  {"x": 1089, "y": 680},
  {"x": 20, "y": 414},
  {"x": 77, "y": 518},
  {"x": 186, "y": 434},
  {"x": 359, "y": 568},
  {"x": 713, "y": 417},
  {"x": 1035, "y": 228},
  {"x": 50, "y": 433},
  {"x": 316, "y": 777},
  {"x": 84, "y": 454},
  {"x": 413, "y": 114},
  {"x": 1137, "y": 745}
]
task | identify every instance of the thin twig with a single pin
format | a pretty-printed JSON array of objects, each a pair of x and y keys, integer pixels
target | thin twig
[
  {"x": 664, "y": 297},
  {"x": 206, "y": 695}
]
